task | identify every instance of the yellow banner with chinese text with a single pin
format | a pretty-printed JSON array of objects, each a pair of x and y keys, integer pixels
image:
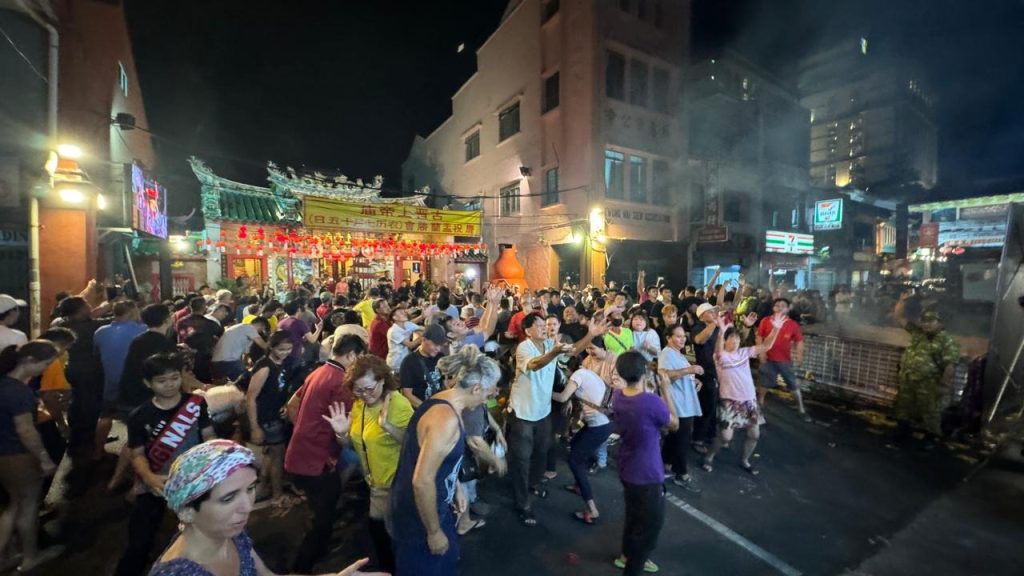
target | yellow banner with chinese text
[{"x": 326, "y": 214}]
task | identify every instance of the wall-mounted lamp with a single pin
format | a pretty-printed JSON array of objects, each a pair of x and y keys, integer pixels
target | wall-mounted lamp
[{"x": 525, "y": 171}]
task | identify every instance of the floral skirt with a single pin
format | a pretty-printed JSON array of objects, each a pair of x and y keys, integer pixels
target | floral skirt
[{"x": 738, "y": 414}]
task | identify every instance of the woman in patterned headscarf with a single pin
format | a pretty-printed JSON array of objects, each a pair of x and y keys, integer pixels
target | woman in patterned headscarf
[{"x": 212, "y": 489}]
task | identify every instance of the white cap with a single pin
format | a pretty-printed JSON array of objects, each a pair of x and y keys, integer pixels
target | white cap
[
  {"x": 705, "y": 307},
  {"x": 9, "y": 302}
]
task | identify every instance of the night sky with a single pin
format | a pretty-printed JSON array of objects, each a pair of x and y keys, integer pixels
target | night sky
[{"x": 342, "y": 85}]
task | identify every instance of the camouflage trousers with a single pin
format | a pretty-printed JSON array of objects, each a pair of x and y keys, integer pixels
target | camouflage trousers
[{"x": 919, "y": 400}]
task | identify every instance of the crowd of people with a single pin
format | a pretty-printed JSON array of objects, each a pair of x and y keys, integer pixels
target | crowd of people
[{"x": 417, "y": 392}]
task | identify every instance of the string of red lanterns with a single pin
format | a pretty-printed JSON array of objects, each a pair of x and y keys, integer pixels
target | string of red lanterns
[{"x": 330, "y": 246}]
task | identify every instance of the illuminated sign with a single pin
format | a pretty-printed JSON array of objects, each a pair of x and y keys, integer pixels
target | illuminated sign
[
  {"x": 149, "y": 204},
  {"x": 828, "y": 214},
  {"x": 789, "y": 242}
]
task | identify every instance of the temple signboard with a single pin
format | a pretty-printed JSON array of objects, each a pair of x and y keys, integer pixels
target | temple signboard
[{"x": 326, "y": 214}]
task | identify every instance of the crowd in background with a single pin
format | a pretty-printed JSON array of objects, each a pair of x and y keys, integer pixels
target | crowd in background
[{"x": 413, "y": 393}]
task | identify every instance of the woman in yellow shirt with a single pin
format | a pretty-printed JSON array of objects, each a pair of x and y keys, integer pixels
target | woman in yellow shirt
[{"x": 375, "y": 428}]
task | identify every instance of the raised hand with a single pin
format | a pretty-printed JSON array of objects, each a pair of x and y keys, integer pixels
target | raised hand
[
  {"x": 750, "y": 319},
  {"x": 598, "y": 326},
  {"x": 338, "y": 419}
]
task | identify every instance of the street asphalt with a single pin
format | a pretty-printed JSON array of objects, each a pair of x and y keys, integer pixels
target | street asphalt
[{"x": 834, "y": 497}]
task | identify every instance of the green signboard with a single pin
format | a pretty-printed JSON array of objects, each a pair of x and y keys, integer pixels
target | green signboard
[{"x": 828, "y": 214}]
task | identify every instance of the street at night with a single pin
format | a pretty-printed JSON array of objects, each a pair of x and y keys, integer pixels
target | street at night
[{"x": 505, "y": 287}]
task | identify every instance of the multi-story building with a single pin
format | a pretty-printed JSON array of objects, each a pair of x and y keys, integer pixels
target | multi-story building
[
  {"x": 871, "y": 120},
  {"x": 68, "y": 75},
  {"x": 749, "y": 168},
  {"x": 571, "y": 139}
]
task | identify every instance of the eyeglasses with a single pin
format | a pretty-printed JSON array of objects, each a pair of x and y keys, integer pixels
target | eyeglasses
[{"x": 364, "y": 390}]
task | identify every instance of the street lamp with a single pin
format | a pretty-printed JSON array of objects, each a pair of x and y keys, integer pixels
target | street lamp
[{"x": 69, "y": 151}]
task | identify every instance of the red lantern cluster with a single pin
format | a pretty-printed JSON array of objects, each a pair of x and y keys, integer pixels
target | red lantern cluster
[{"x": 333, "y": 247}]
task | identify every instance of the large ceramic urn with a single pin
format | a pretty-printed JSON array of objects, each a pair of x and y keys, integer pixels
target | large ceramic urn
[{"x": 507, "y": 269}]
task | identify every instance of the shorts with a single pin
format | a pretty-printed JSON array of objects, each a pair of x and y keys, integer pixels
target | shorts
[
  {"x": 771, "y": 370},
  {"x": 21, "y": 476},
  {"x": 275, "y": 432},
  {"x": 738, "y": 414}
]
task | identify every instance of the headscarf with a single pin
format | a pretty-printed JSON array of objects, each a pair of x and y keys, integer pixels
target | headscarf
[{"x": 202, "y": 467}]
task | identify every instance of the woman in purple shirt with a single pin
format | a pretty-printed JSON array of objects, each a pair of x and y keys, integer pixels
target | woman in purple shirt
[{"x": 640, "y": 415}]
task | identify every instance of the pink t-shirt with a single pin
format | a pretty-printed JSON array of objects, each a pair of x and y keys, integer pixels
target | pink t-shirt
[{"x": 734, "y": 379}]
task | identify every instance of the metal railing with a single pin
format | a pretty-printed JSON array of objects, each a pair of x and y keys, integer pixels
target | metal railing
[{"x": 861, "y": 370}]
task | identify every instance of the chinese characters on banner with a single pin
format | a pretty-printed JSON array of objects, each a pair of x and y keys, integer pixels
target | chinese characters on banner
[{"x": 326, "y": 214}]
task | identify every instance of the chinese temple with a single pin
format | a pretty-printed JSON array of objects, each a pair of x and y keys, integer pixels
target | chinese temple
[{"x": 328, "y": 226}]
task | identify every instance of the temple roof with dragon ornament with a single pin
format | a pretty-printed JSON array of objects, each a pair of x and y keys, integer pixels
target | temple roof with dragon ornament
[{"x": 225, "y": 200}]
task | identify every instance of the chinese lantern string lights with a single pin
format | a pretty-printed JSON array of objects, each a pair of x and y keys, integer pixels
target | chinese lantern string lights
[{"x": 336, "y": 245}]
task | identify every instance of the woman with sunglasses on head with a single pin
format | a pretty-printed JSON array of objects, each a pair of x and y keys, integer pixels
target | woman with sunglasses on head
[
  {"x": 375, "y": 428},
  {"x": 212, "y": 489}
]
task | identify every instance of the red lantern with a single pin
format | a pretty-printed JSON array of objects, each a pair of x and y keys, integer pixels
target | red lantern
[{"x": 243, "y": 232}]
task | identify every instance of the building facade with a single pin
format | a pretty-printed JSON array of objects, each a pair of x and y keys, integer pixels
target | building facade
[
  {"x": 327, "y": 226},
  {"x": 571, "y": 140},
  {"x": 748, "y": 157},
  {"x": 72, "y": 73},
  {"x": 871, "y": 120}
]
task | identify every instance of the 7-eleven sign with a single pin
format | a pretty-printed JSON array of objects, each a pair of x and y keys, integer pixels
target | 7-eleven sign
[{"x": 789, "y": 242}]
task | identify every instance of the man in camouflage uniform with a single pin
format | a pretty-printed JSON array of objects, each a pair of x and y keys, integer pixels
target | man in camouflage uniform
[{"x": 926, "y": 370}]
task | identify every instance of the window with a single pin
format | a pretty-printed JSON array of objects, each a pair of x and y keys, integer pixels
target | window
[
  {"x": 122, "y": 78},
  {"x": 615, "y": 76},
  {"x": 659, "y": 90},
  {"x": 638, "y": 178},
  {"x": 550, "y": 188},
  {"x": 473, "y": 146},
  {"x": 613, "y": 173},
  {"x": 508, "y": 198},
  {"x": 550, "y": 92},
  {"x": 550, "y": 9},
  {"x": 508, "y": 122},
  {"x": 638, "y": 82},
  {"x": 736, "y": 207},
  {"x": 661, "y": 183}
]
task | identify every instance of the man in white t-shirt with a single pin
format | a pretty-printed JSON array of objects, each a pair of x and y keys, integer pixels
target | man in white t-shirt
[
  {"x": 231, "y": 348},
  {"x": 10, "y": 312},
  {"x": 530, "y": 405}
]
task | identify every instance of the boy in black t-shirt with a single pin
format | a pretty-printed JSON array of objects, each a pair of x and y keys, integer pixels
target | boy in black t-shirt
[{"x": 159, "y": 431}]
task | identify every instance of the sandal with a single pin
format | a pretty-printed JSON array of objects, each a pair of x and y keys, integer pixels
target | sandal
[
  {"x": 527, "y": 518},
  {"x": 749, "y": 469},
  {"x": 573, "y": 488},
  {"x": 706, "y": 466},
  {"x": 548, "y": 476},
  {"x": 478, "y": 523},
  {"x": 700, "y": 448},
  {"x": 586, "y": 517},
  {"x": 539, "y": 492}
]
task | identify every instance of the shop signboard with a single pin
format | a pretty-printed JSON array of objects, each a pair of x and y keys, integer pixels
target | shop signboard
[
  {"x": 712, "y": 234},
  {"x": 789, "y": 242},
  {"x": 828, "y": 214},
  {"x": 327, "y": 214}
]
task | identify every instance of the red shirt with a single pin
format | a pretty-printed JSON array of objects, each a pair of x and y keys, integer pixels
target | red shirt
[
  {"x": 515, "y": 325},
  {"x": 313, "y": 448},
  {"x": 379, "y": 337},
  {"x": 788, "y": 335}
]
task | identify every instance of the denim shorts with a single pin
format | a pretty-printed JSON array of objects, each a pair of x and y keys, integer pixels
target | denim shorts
[{"x": 771, "y": 370}]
